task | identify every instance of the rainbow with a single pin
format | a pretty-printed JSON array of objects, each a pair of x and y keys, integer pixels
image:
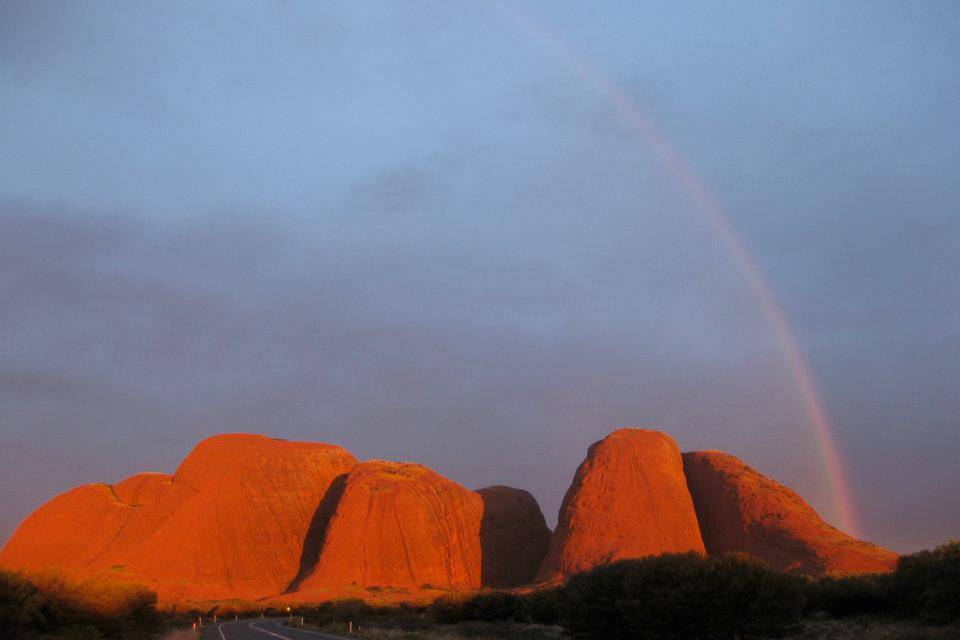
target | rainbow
[{"x": 796, "y": 362}]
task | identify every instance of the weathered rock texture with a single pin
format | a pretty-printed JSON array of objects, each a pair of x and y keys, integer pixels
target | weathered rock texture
[
  {"x": 628, "y": 499},
  {"x": 231, "y": 522},
  {"x": 79, "y": 528},
  {"x": 401, "y": 525},
  {"x": 251, "y": 517},
  {"x": 741, "y": 510},
  {"x": 514, "y": 537}
]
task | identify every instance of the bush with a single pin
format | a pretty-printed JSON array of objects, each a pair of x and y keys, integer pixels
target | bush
[
  {"x": 90, "y": 608},
  {"x": 403, "y": 615},
  {"x": 682, "y": 596},
  {"x": 21, "y": 605},
  {"x": 448, "y": 609},
  {"x": 338, "y": 611},
  {"x": 486, "y": 606},
  {"x": 239, "y": 608},
  {"x": 495, "y": 605},
  {"x": 544, "y": 605},
  {"x": 927, "y": 584},
  {"x": 850, "y": 595}
]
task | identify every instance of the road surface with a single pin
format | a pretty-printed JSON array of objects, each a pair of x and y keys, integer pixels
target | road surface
[{"x": 260, "y": 629}]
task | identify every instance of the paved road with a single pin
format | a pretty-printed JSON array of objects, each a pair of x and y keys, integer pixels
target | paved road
[{"x": 260, "y": 629}]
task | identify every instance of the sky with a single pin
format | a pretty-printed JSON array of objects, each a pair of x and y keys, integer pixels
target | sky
[{"x": 418, "y": 231}]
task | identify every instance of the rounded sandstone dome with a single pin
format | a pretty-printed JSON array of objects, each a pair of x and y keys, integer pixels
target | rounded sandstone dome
[
  {"x": 402, "y": 525},
  {"x": 628, "y": 499}
]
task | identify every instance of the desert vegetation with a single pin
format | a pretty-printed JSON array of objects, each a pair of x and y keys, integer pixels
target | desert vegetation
[
  {"x": 50, "y": 605},
  {"x": 684, "y": 596}
]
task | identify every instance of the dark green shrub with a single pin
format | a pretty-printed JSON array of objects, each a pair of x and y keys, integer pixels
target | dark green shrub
[
  {"x": 495, "y": 605},
  {"x": 851, "y": 595},
  {"x": 486, "y": 606},
  {"x": 682, "y": 596},
  {"x": 544, "y": 605},
  {"x": 927, "y": 584},
  {"x": 86, "y": 632},
  {"x": 352, "y": 609},
  {"x": 501, "y": 630},
  {"x": 448, "y": 609},
  {"x": 93, "y": 607},
  {"x": 21, "y": 605}
]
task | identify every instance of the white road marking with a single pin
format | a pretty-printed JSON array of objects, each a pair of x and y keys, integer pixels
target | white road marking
[
  {"x": 279, "y": 625},
  {"x": 220, "y": 629},
  {"x": 253, "y": 625},
  {"x": 314, "y": 633}
]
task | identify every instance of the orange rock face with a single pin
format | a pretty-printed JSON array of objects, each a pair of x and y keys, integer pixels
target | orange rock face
[
  {"x": 401, "y": 525},
  {"x": 514, "y": 537},
  {"x": 77, "y": 529},
  {"x": 253, "y": 517},
  {"x": 741, "y": 510},
  {"x": 628, "y": 499},
  {"x": 230, "y": 523}
]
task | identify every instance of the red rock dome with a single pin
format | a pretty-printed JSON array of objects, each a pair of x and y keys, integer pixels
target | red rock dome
[
  {"x": 230, "y": 523},
  {"x": 741, "y": 510},
  {"x": 628, "y": 499},
  {"x": 401, "y": 525}
]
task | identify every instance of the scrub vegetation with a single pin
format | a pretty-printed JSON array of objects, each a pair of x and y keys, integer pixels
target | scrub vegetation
[
  {"x": 48, "y": 605},
  {"x": 671, "y": 596},
  {"x": 684, "y": 596}
]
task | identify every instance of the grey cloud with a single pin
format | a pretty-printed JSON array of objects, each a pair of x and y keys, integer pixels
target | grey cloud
[
  {"x": 420, "y": 233},
  {"x": 443, "y": 356}
]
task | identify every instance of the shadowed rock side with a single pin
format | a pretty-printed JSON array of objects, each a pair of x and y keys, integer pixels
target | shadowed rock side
[
  {"x": 514, "y": 537},
  {"x": 628, "y": 499},
  {"x": 230, "y": 523},
  {"x": 741, "y": 510},
  {"x": 401, "y": 525},
  {"x": 317, "y": 533}
]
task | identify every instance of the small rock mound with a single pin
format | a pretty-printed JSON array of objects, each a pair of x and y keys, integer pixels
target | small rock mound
[
  {"x": 514, "y": 537},
  {"x": 628, "y": 499},
  {"x": 741, "y": 510}
]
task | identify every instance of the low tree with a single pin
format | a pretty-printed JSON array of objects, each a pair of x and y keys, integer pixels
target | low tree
[
  {"x": 926, "y": 584},
  {"x": 544, "y": 605},
  {"x": 842, "y": 596},
  {"x": 682, "y": 596}
]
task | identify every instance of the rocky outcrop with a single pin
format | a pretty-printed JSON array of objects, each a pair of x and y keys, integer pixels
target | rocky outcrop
[
  {"x": 741, "y": 510},
  {"x": 628, "y": 499},
  {"x": 251, "y": 517},
  {"x": 401, "y": 525},
  {"x": 230, "y": 523},
  {"x": 240, "y": 530},
  {"x": 514, "y": 537},
  {"x": 76, "y": 530}
]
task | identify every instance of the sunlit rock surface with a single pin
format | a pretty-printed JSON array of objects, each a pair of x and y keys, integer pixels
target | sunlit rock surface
[
  {"x": 741, "y": 510},
  {"x": 231, "y": 522},
  {"x": 628, "y": 499},
  {"x": 399, "y": 524},
  {"x": 252, "y": 517}
]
